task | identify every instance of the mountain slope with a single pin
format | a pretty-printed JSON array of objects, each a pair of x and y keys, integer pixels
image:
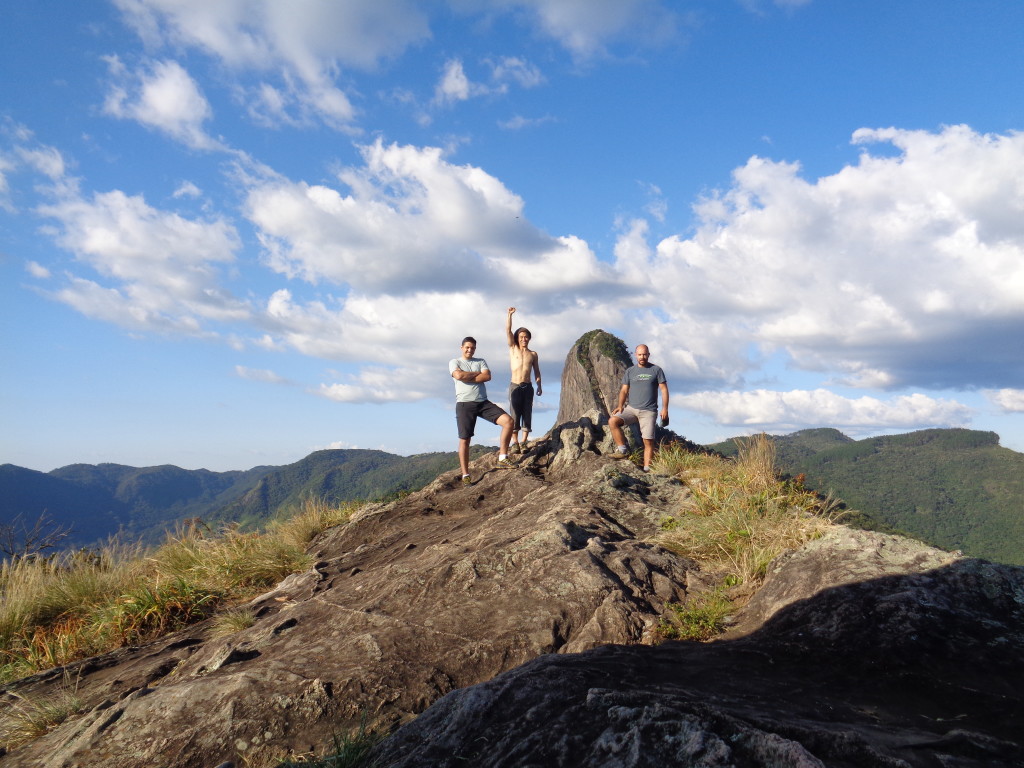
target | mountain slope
[
  {"x": 143, "y": 503},
  {"x": 953, "y": 488}
]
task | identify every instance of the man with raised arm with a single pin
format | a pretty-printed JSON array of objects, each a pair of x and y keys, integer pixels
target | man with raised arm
[
  {"x": 524, "y": 361},
  {"x": 640, "y": 386},
  {"x": 470, "y": 374}
]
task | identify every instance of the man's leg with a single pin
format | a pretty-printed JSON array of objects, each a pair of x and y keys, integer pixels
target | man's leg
[
  {"x": 505, "y": 422},
  {"x": 648, "y": 452},
  {"x": 615, "y": 424},
  {"x": 515, "y": 407},
  {"x": 464, "y": 455}
]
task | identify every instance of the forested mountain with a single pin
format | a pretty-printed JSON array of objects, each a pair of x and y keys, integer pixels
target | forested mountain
[
  {"x": 95, "y": 501},
  {"x": 952, "y": 488}
]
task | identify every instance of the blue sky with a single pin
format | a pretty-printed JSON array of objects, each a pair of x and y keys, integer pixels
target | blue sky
[{"x": 235, "y": 232}]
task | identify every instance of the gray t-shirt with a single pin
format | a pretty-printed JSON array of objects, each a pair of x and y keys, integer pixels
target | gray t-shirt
[
  {"x": 466, "y": 392},
  {"x": 643, "y": 386}
]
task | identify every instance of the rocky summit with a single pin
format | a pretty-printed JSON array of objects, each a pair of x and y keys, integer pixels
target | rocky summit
[{"x": 513, "y": 622}]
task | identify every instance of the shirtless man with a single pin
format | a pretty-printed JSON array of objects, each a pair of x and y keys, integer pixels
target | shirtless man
[{"x": 520, "y": 391}]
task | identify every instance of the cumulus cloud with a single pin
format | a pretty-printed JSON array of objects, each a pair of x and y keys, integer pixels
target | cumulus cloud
[
  {"x": 22, "y": 152},
  {"x": 378, "y": 384},
  {"x": 411, "y": 221},
  {"x": 769, "y": 410},
  {"x": 1010, "y": 400},
  {"x": 37, "y": 270},
  {"x": 899, "y": 271},
  {"x": 455, "y": 85},
  {"x": 163, "y": 266},
  {"x": 163, "y": 96},
  {"x": 301, "y": 45}
]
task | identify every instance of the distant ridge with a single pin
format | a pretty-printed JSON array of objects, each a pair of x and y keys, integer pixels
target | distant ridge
[
  {"x": 97, "y": 501},
  {"x": 952, "y": 488}
]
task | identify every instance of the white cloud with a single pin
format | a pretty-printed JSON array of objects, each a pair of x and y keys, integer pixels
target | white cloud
[
  {"x": 302, "y": 44},
  {"x": 902, "y": 270},
  {"x": 161, "y": 96},
  {"x": 37, "y": 270},
  {"x": 518, "y": 122},
  {"x": 411, "y": 222},
  {"x": 454, "y": 85},
  {"x": 586, "y": 29},
  {"x": 22, "y": 152},
  {"x": 260, "y": 374},
  {"x": 1010, "y": 400},
  {"x": 377, "y": 384},
  {"x": 164, "y": 265},
  {"x": 187, "y": 189},
  {"x": 765, "y": 409}
]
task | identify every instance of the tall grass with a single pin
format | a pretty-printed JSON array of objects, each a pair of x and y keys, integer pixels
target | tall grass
[
  {"x": 71, "y": 606},
  {"x": 740, "y": 516}
]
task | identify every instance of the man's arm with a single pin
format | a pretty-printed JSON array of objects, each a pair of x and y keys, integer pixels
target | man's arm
[
  {"x": 663, "y": 387},
  {"x": 472, "y": 377},
  {"x": 536, "y": 371},
  {"x": 623, "y": 394},
  {"x": 508, "y": 327}
]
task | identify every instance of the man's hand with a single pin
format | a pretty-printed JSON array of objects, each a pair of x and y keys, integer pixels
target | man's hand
[
  {"x": 539, "y": 393},
  {"x": 511, "y": 311}
]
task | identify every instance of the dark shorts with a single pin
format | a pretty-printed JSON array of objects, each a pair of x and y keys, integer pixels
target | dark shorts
[
  {"x": 466, "y": 415},
  {"x": 520, "y": 404}
]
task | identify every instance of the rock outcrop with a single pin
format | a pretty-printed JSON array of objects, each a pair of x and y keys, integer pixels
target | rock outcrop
[
  {"x": 592, "y": 376},
  {"x": 861, "y": 650},
  {"x": 442, "y": 589}
]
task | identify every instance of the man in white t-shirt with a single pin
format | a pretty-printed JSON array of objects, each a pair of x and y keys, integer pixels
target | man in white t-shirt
[{"x": 470, "y": 374}]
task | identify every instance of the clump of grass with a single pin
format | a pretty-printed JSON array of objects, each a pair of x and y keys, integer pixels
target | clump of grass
[
  {"x": 740, "y": 515},
  {"x": 29, "y": 719},
  {"x": 67, "y": 607},
  {"x": 351, "y": 750},
  {"x": 233, "y": 620},
  {"x": 315, "y": 516},
  {"x": 700, "y": 618}
]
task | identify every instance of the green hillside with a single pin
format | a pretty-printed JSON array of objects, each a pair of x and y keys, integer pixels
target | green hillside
[
  {"x": 953, "y": 488},
  {"x": 96, "y": 501},
  {"x": 337, "y": 476}
]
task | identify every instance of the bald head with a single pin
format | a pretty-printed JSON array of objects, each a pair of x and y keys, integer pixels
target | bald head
[{"x": 643, "y": 354}]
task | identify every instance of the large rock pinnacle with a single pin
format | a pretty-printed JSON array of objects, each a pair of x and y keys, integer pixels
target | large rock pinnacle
[{"x": 592, "y": 376}]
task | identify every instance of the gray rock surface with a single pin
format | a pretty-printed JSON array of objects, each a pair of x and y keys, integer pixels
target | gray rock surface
[{"x": 876, "y": 651}]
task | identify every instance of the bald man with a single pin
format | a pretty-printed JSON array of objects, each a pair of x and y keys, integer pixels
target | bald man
[{"x": 638, "y": 404}]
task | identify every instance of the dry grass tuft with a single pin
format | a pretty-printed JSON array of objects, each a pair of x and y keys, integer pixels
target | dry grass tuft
[
  {"x": 59, "y": 609},
  {"x": 740, "y": 515}
]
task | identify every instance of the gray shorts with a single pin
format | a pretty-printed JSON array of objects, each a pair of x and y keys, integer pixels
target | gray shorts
[{"x": 646, "y": 419}]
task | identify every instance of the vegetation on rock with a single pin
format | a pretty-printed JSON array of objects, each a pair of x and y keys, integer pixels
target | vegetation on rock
[
  {"x": 71, "y": 606},
  {"x": 957, "y": 489}
]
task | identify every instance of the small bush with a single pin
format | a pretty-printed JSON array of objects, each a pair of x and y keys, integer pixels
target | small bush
[{"x": 233, "y": 620}]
